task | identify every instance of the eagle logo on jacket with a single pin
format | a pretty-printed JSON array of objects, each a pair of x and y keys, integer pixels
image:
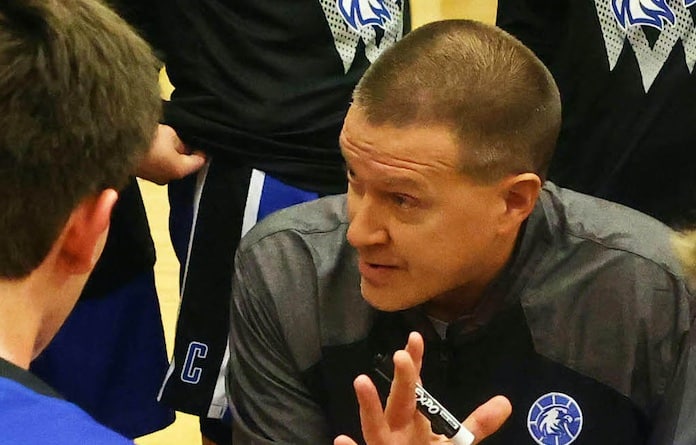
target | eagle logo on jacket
[
  {"x": 555, "y": 419},
  {"x": 361, "y": 13}
]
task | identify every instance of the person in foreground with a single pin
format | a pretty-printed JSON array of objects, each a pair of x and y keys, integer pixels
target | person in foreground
[
  {"x": 79, "y": 104},
  {"x": 571, "y": 307}
]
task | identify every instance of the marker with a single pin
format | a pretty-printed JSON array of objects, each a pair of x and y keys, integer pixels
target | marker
[{"x": 439, "y": 417}]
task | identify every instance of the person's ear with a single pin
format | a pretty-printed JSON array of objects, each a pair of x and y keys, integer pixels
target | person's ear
[
  {"x": 519, "y": 193},
  {"x": 84, "y": 235}
]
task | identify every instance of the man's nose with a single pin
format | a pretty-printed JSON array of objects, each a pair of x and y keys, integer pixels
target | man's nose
[{"x": 368, "y": 222}]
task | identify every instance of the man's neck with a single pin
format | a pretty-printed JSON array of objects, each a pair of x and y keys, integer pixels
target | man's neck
[
  {"x": 454, "y": 304},
  {"x": 20, "y": 322}
]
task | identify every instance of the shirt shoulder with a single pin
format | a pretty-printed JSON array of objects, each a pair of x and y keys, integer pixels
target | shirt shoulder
[
  {"x": 322, "y": 216},
  {"x": 33, "y": 418},
  {"x": 608, "y": 283},
  {"x": 582, "y": 220}
]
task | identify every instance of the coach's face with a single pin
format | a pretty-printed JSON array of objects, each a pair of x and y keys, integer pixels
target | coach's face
[{"x": 423, "y": 230}]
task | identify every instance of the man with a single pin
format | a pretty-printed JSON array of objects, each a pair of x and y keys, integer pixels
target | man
[
  {"x": 79, "y": 104},
  {"x": 262, "y": 88},
  {"x": 625, "y": 72},
  {"x": 568, "y": 305},
  {"x": 62, "y": 169},
  {"x": 117, "y": 320}
]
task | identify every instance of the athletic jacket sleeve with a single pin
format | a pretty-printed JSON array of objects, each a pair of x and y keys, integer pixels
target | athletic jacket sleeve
[
  {"x": 270, "y": 400},
  {"x": 677, "y": 418}
]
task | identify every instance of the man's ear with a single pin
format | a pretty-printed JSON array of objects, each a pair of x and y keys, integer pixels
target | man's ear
[
  {"x": 84, "y": 235},
  {"x": 520, "y": 193}
]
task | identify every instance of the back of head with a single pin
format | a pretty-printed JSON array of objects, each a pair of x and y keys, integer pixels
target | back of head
[
  {"x": 79, "y": 105},
  {"x": 499, "y": 100}
]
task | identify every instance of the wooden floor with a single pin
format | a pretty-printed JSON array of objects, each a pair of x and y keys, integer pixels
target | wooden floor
[{"x": 185, "y": 431}]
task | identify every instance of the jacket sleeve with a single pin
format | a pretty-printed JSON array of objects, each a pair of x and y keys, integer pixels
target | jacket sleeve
[
  {"x": 677, "y": 415},
  {"x": 271, "y": 403}
]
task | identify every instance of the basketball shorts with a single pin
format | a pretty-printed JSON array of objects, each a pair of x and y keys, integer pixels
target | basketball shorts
[
  {"x": 110, "y": 357},
  {"x": 210, "y": 212}
]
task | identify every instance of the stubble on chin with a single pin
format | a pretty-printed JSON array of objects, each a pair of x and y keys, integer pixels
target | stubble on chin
[{"x": 380, "y": 299}]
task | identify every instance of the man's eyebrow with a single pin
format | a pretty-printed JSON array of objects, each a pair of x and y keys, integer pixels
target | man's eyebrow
[
  {"x": 402, "y": 181},
  {"x": 398, "y": 181}
]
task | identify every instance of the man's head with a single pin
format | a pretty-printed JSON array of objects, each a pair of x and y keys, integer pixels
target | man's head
[
  {"x": 79, "y": 106},
  {"x": 447, "y": 143}
]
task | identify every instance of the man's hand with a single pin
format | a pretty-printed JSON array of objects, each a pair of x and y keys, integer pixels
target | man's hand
[
  {"x": 168, "y": 158},
  {"x": 400, "y": 423}
]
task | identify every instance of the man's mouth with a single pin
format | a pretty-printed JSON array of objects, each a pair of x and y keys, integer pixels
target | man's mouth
[{"x": 375, "y": 273}]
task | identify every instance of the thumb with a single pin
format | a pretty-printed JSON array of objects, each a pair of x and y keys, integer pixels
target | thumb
[
  {"x": 344, "y": 440},
  {"x": 488, "y": 418},
  {"x": 190, "y": 163}
]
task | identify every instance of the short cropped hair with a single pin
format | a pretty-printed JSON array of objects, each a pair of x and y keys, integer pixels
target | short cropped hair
[
  {"x": 79, "y": 106},
  {"x": 497, "y": 97}
]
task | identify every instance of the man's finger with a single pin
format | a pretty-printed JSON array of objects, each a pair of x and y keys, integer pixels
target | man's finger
[
  {"x": 190, "y": 163},
  {"x": 488, "y": 418},
  {"x": 372, "y": 421},
  {"x": 401, "y": 403},
  {"x": 344, "y": 440},
  {"x": 415, "y": 349}
]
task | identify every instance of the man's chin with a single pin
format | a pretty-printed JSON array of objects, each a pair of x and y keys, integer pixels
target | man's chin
[{"x": 381, "y": 299}]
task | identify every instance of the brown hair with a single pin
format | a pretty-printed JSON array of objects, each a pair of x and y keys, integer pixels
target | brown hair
[
  {"x": 493, "y": 92},
  {"x": 79, "y": 105}
]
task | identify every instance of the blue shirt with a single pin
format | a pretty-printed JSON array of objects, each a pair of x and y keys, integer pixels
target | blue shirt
[{"x": 32, "y": 413}]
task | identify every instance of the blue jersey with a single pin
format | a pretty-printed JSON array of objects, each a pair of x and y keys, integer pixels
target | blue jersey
[{"x": 32, "y": 413}]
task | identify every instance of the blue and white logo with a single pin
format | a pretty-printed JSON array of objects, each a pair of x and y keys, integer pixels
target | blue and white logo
[
  {"x": 620, "y": 21},
  {"x": 361, "y": 13},
  {"x": 655, "y": 13},
  {"x": 377, "y": 24},
  {"x": 554, "y": 419}
]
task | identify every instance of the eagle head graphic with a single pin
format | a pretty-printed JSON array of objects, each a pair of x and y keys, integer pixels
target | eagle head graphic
[
  {"x": 361, "y": 13},
  {"x": 655, "y": 13},
  {"x": 555, "y": 421}
]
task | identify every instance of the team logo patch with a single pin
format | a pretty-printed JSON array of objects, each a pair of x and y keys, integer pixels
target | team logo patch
[
  {"x": 361, "y": 13},
  {"x": 554, "y": 419},
  {"x": 655, "y": 13}
]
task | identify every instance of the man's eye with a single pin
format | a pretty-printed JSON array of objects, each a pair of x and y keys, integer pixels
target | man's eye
[{"x": 403, "y": 201}]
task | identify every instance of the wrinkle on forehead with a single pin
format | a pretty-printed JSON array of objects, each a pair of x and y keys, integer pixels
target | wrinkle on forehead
[{"x": 418, "y": 148}]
